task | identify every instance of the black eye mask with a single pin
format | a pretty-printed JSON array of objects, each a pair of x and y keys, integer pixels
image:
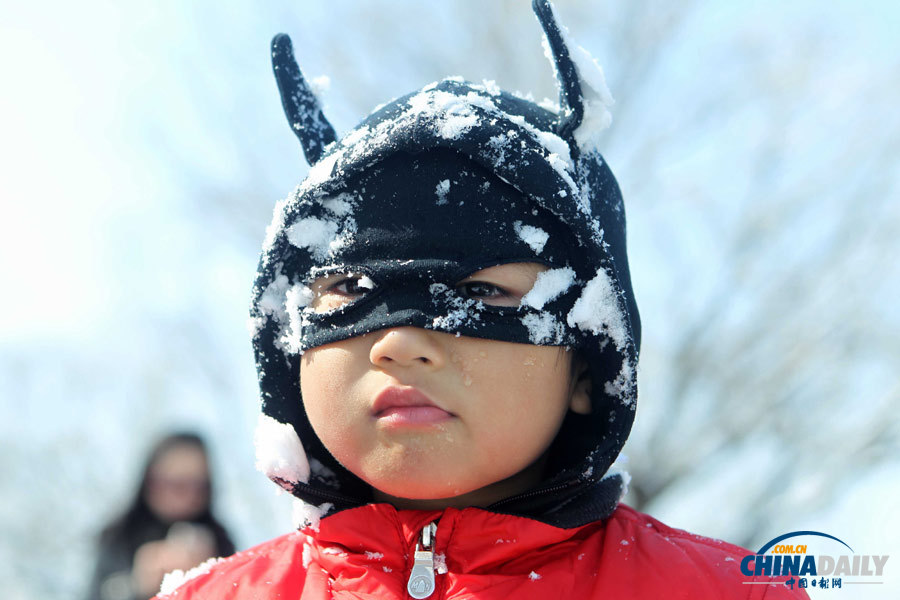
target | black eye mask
[{"x": 416, "y": 226}]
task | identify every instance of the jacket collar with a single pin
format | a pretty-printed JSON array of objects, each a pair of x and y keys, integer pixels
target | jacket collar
[{"x": 473, "y": 538}]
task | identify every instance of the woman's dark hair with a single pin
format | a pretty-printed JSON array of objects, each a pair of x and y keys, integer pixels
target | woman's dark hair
[{"x": 138, "y": 523}]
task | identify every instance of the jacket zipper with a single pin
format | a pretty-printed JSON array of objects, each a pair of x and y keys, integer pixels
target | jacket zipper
[{"x": 421, "y": 579}]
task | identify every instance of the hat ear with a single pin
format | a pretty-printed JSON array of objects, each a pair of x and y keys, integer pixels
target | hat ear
[
  {"x": 301, "y": 107},
  {"x": 571, "y": 99}
]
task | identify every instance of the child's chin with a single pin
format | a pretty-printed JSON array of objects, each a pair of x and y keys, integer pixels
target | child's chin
[{"x": 422, "y": 492}]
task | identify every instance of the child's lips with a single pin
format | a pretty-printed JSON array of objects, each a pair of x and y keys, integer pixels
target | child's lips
[
  {"x": 407, "y": 406},
  {"x": 412, "y": 415}
]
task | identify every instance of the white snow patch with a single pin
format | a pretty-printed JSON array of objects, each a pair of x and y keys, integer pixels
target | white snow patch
[
  {"x": 355, "y": 136},
  {"x": 454, "y": 116},
  {"x": 491, "y": 87},
  {"x": 597, "y": 100},
  {"x": 308, "y": 515},
  {"x": 380, "y": 137},
  {"x": 320, "y": 236},
  {"x": 499, "y": 144},
  {"x": 624, "y": 542},
  {"x": 597, "y": 310},
  {"x": 456, "y": 125},
  {"x": 442, "y": 189},
  {"x": 548, "y": 286},
  {"x": 374, "y": 555},
  {"x": 559, "y": 156},
  {"x": 551, "y": 142},
  {"x": 321, "y": 171},
  {"x": 320, "y": 85},
  {"x": 543, "y": 328},
  {"x": 277, "y": 223},
  {"x": 425, "y": 101},
  {"x": 463, "y": 310},
  {"x": 623, "y": 385},
  {"x": 271, "y": 301},
  {"x": 534, "y": 576},
  {"x": 559, "y": 165},
  {"x": 297, "y": 297},
  {"x": 339, "y": 205},
  {"x": 440, "y": 563},
  {"x": 481, "y": 102},
  {"x": 531, "y": 235},
  {"x": 175, "y": 579},
  {"x": 254, "y": 325},
  {"x": 387, "y": 569},
  {"x": 595, "y": 94},
  {"x": 279, "y": 453},
  {"x": 365, "y": 282},
  {"x": 321, "y": 471},
  {"x": 548, "y": 104}
]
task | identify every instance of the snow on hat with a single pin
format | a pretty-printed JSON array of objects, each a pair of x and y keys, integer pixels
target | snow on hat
[{"x": 549, "y": 160}]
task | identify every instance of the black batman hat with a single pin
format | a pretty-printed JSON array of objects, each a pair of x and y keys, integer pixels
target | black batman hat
[{"x": 547, "y": 158}]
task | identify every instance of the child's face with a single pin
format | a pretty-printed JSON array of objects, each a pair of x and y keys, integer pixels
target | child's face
[{"x": 499, "y": 405}]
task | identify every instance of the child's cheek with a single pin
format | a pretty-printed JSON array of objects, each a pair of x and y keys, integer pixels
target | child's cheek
[{"x": 467, "y": 364}]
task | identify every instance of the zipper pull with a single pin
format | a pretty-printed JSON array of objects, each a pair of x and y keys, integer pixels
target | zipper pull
[{"x": 421, "y": 578}]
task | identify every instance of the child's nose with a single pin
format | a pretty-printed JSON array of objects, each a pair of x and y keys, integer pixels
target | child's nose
[{"x": 405, "y": 347}]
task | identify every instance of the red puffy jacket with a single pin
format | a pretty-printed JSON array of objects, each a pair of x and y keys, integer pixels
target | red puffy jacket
[{"x": 370, "y": 551}]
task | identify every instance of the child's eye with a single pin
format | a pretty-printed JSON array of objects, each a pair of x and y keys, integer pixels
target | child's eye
[
  {"x": 487, "y": 292},
  {"x": 334, "y": 291},
  {"x": 356, "y": 285}
]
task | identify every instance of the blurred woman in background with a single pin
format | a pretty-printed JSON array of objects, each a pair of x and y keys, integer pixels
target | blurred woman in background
[{"x": 169, "y": 525}]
